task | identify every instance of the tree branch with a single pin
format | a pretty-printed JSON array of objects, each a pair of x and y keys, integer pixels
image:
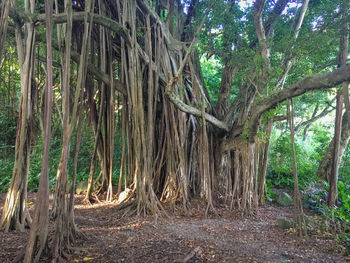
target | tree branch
[
  {"x": 313, "y": 82},
  {"x": 61, "y": 18},
  {"x": 177, "y": 101},
  {"x": 260, "y": 31},
  {"x": 98, "y": 75},
  {"x": 258, "y": 9},
  {"x": 190, "y": 14},
  {"x": 280, "y": 118},
  {"x": 194, "y": 40},
  {"x": 271, "y": 21},
  {"x": 288, "y": 63},
  {"x": 196, "y": 112},
  {"x": 313, "y": 119}
]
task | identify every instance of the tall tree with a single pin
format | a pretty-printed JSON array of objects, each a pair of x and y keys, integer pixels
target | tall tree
[
  {"x": 341, "y": 96},
  {"x": 15, "y": 212},
  {"x": 37, "y": 241},
  {"x": 64, "y": 226}
]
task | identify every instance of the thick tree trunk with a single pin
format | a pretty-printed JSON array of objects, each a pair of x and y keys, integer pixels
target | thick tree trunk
[
  {"x": 64, "y": 225},
  {"x": 333, "y": 177},
  {"x": 15, "y": 214},
  {"x": 109, "y": 119},
  {"x": 223, "y": 103},
  {"x": 62, "y": 234},
  {"x": 325, "y": 167},
  {"x": 66, "y": 106},
  {"x": 37, "y": 241},
  {"x": 145, "y": 196},
  {"x": 342, "y": 95},
  {"x": 96, "y": 120},
  {"x": 72, "y": 226}
]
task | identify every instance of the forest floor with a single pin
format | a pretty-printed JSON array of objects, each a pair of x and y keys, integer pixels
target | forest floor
[{"x": 224, "y": 237}]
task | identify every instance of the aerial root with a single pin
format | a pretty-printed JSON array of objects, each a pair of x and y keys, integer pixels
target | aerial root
[
  {"x": 300, "y": 226},
  {"x": 210, "y": 207},
  {"x": 20, "y": 256}
]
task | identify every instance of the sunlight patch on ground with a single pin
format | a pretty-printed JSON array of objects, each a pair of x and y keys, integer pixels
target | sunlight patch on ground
[
  {"x": 93, "y": 206},
  {"x": 127, "y": 226}
]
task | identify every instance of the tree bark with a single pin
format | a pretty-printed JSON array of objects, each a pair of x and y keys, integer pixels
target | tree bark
[
  {"x": 324, "y": 168},
  {"x": 37, "y": 241},
  {"x": 299, "y": 219},
  {"x": 15, "y": 214},
  {"x": 328, "y": 168},
  {"x": 333, "y": 178},
  {"x": 5, "y": 5},
  {"x": 264, "y": 158},
  {"x": 313, "y": 82}
]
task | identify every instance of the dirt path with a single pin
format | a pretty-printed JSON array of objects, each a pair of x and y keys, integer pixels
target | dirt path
[{"x": 225, "y": 238}]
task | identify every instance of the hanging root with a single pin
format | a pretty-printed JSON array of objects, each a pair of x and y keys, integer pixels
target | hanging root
[
  {"x": 127, "y": 206},
  {"x": 92, "y": 199},
  {"x": 300, "y": 225},
  {"x": 210, "y": 207},
  {"x": 151, "y": 206},
  {"x": 87, "y": 201},
  {"x": 20, "y": 256}
]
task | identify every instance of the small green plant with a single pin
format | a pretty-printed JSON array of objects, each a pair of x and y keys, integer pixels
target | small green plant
[
  {"x": 270, "y": 194},
  {"x": 335, "y": 221}
]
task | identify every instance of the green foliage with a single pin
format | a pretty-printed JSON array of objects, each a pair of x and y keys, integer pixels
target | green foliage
[
  {"x": 321, "y": 138},
  {"x": 344, "y": 201},
  {"x": 270, "y": 194},
  {"x": 280, "y": 169},
  {"x": 310, "y": 152},
  {"x": 8, "y": 124},
  {"x": 85, "y": 152},
  {"x": 336, "y": 220},
  {"x": 6, "y": 166},
  {"x": 245, "y": 132},
  {"x": 212, "y": 70},
  {"x": 344, "y": 169},
  {"x": 84, "y": 159},
  {"x": 36, "y": 161}
]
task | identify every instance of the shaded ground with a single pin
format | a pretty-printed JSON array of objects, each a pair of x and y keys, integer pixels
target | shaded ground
[{"x": 225, "y": 238}]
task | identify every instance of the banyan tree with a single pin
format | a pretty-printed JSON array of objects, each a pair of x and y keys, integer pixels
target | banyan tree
[{"x": 137, "y": 62}]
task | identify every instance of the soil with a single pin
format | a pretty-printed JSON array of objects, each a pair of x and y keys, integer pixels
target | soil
[{"x": 223, "y": 237}]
